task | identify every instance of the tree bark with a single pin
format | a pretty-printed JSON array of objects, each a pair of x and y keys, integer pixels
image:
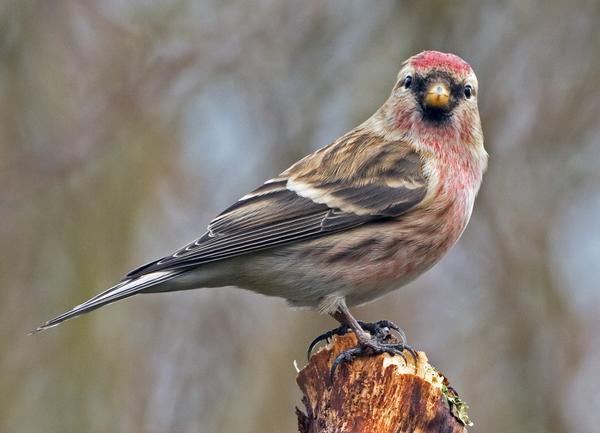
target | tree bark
[{"x": 377, "y": 394}]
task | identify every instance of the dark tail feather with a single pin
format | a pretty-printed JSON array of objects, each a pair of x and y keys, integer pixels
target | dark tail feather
[{"x": 124, "y": 289}]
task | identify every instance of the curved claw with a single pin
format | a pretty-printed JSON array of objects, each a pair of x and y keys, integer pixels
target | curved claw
[
  {"x": 392, "y": 325},
  {"x": 316, "y": 341},
  {"x": 326, "y": 336},
  {"x": 345, "y": 356},
  {"x": 412, "y": 352},
  {"x": 397, "y": 351},
  {"x": 380, "y": 329}
]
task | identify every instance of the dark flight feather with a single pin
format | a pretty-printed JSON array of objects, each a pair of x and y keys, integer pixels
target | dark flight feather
[{"x": 274, "y": 214}]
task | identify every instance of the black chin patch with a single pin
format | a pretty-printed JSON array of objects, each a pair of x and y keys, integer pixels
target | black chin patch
[{"x": 436, "y": 115}]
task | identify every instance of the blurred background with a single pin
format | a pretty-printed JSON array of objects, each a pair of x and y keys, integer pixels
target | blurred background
[{"x": 126, "y": 125}]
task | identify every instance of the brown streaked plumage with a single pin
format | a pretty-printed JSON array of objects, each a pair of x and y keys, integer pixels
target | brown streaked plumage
[{"x": 351, "y": 221}]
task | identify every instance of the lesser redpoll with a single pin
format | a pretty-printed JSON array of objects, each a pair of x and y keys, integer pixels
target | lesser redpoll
[{"x": 352, "y": 221}]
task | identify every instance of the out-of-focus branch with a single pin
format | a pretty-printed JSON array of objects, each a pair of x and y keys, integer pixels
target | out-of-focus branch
[{"x": 377, "y": 394}]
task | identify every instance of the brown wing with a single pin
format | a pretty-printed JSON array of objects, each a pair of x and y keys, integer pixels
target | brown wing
[{"x": 324, "y": 193}]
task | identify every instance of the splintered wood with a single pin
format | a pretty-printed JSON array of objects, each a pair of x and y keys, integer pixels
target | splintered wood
[{"x": 377, "y": 394}]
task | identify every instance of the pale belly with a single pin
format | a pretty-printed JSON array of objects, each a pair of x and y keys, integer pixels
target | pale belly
[{"x": 358, "y": 265}]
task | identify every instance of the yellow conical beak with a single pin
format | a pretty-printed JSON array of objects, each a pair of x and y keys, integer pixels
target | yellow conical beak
[{"x": 437, "y": 96}]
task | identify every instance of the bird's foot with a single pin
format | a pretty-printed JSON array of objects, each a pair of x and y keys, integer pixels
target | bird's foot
[
  {"x": 380, "y": 341},
  {"x": 379, "y": 330},
  {"x": 326, "y": 336}
]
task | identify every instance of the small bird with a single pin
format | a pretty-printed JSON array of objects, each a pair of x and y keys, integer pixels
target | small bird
[{"x": 353, "y": 220}]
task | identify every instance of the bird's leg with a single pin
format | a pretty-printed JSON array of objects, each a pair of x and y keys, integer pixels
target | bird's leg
[
  {"x": 368, "y": 345},
  {"x": 343, "y": 315},
  {"x": 380, "y": 329},
  {"x": 347, "y": 322}
]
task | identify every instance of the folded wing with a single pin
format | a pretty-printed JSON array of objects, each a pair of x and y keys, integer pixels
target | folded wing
[{"x": 308, "y": 201}]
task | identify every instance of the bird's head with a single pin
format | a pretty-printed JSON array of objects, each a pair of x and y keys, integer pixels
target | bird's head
[{"x": 434, "y": 91}]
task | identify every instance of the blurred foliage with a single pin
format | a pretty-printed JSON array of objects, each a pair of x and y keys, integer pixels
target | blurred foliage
[{"x": 127, "y": 125}]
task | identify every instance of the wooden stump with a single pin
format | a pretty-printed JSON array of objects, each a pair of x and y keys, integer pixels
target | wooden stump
[{"x": 378, "y": 394}]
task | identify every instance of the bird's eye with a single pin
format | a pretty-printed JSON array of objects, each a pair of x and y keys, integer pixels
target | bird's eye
[
  {"x": 468, "y": 91},
  {"x": 407, "y": 81}
]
